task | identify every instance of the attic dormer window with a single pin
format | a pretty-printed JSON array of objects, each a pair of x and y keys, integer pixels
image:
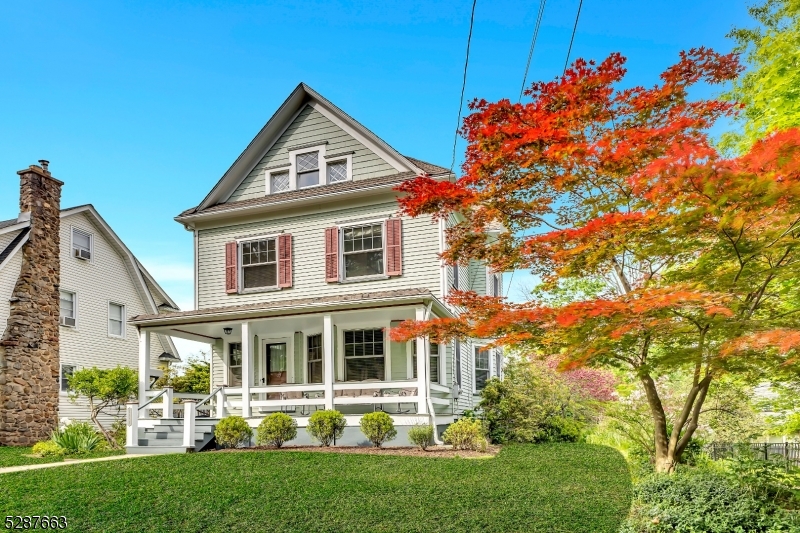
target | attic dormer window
[{"x": 307, "y": 170}]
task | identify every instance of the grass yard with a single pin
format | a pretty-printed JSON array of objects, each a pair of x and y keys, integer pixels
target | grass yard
[
  {"x": 14, "y": 456},
  {"x": 546, "y": 488}
]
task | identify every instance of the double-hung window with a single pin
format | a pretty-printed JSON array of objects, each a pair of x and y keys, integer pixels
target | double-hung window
[
  {"x": 496, "y": 288},
  {"x": 81, "y": 244},
  {"x": 362, "y": 251},
  {"x": 307, "y": 169},
  {"x": 67, "y": 308},
  {"x": 235, "y": 364},
  {"x": 66, "y": 373},
  {"x": 315, "y": 358},
  {"x": 364, "y": 355},
  {"x": 455, "y": 276},
  {"x": 482, "y": 370},
  {"x": 259, "y": 264},
  {"x": 433, "y": 368},
  {"x": 116, "y": 320}
]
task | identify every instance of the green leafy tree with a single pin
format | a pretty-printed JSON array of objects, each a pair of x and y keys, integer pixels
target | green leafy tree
[
  {"x": 194, "y": 378},
  {"x": 770, "y": 89},
  {"x": 106, "y": 392}
]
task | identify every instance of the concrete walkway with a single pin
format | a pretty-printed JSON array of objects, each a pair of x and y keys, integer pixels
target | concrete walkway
[{"x": 23, "y": 468}]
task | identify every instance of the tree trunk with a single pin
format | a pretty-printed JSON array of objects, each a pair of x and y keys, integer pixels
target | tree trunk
[
  {"x": 669, "y": 448},
  {"x": 111, "y": 440}
]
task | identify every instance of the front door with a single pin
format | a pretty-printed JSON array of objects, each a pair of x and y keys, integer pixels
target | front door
[{"x": 276, "y": 363}]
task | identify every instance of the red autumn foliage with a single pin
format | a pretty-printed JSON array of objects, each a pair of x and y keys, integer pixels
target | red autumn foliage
[{"x": 595, "y": 181}]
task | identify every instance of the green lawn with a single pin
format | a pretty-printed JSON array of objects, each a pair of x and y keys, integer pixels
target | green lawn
[
  {"x": 14, "y": 456},
  {"x": 546, "y": 488}
]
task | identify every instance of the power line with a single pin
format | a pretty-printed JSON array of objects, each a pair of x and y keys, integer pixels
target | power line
[
  {"x": 463, "y": 85},
  {"x": 575, "y": 27},
  {"x": 533, "y": 45}
]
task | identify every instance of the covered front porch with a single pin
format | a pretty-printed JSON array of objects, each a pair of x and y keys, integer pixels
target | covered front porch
[{"x": 298, "y": 361}]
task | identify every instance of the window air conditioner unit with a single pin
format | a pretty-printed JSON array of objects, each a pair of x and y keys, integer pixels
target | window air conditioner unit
[
  {"x": 67, "y": 321},
  {"x": 83, "y": 254}
]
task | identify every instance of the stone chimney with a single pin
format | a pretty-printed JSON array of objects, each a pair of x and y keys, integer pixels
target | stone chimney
[{"x": 29, "y": 348}]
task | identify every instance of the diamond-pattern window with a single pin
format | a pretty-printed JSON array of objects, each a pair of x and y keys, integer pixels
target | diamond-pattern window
[
  {"x": 309, "y": 161},
  {"x": 280, "y": 182},
  {"x": 337, "y": 171}
]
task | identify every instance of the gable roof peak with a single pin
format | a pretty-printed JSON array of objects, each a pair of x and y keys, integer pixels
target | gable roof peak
[{"x": 299, "y": 98}]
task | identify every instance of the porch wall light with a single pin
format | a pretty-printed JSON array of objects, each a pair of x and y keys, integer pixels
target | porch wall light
[{"x": 227, "y": 331}]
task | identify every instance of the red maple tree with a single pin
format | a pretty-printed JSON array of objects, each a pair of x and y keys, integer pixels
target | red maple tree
[{"x": 593, "y": 181}]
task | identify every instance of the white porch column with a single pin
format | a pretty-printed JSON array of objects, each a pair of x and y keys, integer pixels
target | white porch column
[
  {"x": 220, "y": 413},
  {"x": 167, "y": 412},
  {"x": 328, "y": 362},
  {"x": 132, "y": 424},
  {"x": 247, "y": 368},
  {"x": 188, "y": 423},
  {"x": 144, "y": 367},
  {"x": 422, "y": 367}
]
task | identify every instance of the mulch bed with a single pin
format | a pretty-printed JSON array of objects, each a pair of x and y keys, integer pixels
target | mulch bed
[{"x": 433, "y": 451}]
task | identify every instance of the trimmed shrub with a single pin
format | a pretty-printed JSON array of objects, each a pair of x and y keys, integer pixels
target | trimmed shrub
[
  {"x": 421, "y": 435},
  {"x": 77, "y": 437},
  {"x": 378, "y": 427},
  {"x": 702, "y": 501},
  {"x": 466, "y": 434},
  {"x": 47, "y": 448},
  {"x": 276, "y": 429},
  {"x": 233, "y": 432},
  {"x": 326, "y": 426}
]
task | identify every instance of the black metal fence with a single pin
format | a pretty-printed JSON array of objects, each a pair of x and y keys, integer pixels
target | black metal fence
[{"x": 787, "y": 453}]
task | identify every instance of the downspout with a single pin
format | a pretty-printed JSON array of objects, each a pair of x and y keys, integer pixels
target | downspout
[{"x": 431, "y": 412}]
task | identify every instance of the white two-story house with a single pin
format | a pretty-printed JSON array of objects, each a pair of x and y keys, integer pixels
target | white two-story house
[
  {"x": 94, "y": 285},
  {"x": 303, "y": 264}
]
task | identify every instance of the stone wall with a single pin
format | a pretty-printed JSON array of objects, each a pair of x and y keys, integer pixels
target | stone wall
[{"x": 29, "y": 362}]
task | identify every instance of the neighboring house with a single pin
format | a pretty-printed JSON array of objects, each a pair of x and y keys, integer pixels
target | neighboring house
[
  {"x": 303, "y": 264},
  {"x": 68, "y": 285}
]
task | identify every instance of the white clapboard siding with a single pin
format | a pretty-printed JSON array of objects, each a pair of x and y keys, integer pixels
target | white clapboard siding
[
  {"x": 420, "y": 259},
  {"x": 312, "y": 126},
  {"x": 97, "y": 282},
  {"x": 6, "y": 238},
  {"x": 8, "y": 278}
]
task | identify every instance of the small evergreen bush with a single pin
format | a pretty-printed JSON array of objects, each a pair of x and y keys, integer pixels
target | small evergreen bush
[
  {"x": 701, "y": 501},
  {"x": 76, "y": 438},
  {"x": 47, "y": 448},
  {"x": 233, "y": 432},
  {"x": 276, "y": 429},
  {"x": 421, "y": 435},
  {"x": 378, "y": 427},
  {"x": 326, "y": 426},
  {"x": 466, "y": 434}
]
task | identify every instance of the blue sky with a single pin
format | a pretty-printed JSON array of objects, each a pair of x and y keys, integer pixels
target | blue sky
[{"x": 142, "y": 106}]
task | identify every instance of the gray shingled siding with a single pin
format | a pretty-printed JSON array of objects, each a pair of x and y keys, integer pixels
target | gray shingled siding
[{"x": 312, "y": 126}]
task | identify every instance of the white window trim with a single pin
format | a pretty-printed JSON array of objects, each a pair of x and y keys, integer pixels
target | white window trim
[
  {"x": 306, "y": 334},
  {"x": 239, "y": 266},
  {"x": 268, "y": 176},
  {"x": 323, "y": 168},
  {"x": 108, "y": 319},
  {"x": 228, "y": 366},
  {"x": 347, "y": 158},
  {"x": 324, "y": 161},
  {"x": 72, "y": 230},
  {"x": 368, "y": 324},
  {"x": 61, "y": 366},
  {"x": 475, "y": 349},
  {"x": 74, "y": 307},
  {"x": 373, "y": 277}
]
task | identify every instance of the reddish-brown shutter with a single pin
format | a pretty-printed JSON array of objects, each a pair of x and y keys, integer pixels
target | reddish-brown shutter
[
  {"x": 230, "y": 268},
  {"x": 285, "y": 260},
  {"x": 394, "y": 247},
  {"x": 332, "y": 254}
]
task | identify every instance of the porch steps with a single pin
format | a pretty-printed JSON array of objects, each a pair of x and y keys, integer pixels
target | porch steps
[{"x": 166, "y": 436}]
